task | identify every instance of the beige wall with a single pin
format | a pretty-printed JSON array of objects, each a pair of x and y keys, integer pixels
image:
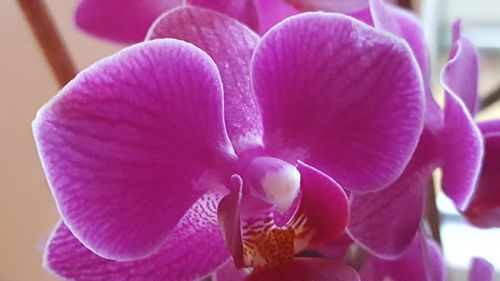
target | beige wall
[{"x": 27, "y": 211}]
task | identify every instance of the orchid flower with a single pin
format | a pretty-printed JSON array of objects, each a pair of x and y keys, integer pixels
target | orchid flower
[
  {"x": 386, "y": 221},
  {"x": 161, "y": 155},
  {"x": 127, "y": 21}
]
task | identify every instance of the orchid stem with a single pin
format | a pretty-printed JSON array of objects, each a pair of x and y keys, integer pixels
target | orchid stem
[
  {"x": 49, "y": 39},
  {"x": 491, "y": 98},
  {"x": 432, "y": 212}
]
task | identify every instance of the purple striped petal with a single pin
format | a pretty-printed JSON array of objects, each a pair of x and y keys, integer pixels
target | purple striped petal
[
  {"x": 422, "y": 261},
  {"x": 231, "y": 45},
  {"x": 242, "y": 10},
  {"x": 131, "y": 143},
  {"x": 385, "y": 222},
  {"x": 194, "y": 249},
  {"x": 461, "y": 74},
  {"x": 341, "y": 96},
  {"x": 299, "y": 269},
  {"x": 125, "y": 21},
  {"x": 271, "y": 12},
  {"x": 481, "y": 270},
  {"x": 336, "y": 6}
]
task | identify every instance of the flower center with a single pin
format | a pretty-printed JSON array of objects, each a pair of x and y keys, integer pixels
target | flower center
[{"x": 274, "y": 181}]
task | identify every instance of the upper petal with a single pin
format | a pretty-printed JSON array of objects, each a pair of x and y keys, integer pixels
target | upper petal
[
  {"x": 125, "y": 21},
  {"x": 422, "y": 261},
  {"x": 270, "y": 12},
  {"x": 336, "y": 6},
  {"x": 460, "y": 75},
  {"x": 385, "y": 221},
  {"x": 341, "y": 96},
  {"x": 183, "y": 256},
  {"x": 242, "y": 10},
  {"x": 231, "y": 45},
  {"x": 481, "y": 270},
  {"x": 299, "y": 269},
  {"x": 131, "y": 143}
]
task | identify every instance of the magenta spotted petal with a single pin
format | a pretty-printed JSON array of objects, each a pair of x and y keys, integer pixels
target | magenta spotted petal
[
  {"x": 340, "y": 96},
  {"x": 130, "y": 145},
  {"x": 231, "y": 45},
  {"x": 120, "y": 20},
  {"x": 422, "y": 261},
  {"x": 183, "y": 256}
]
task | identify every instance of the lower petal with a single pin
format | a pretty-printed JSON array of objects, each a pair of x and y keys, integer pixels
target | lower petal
[
  {"x": 299, "y": 269},
  {"x": 228, "y": 272},
  {"x": 421, "y": 261},
  {"x": 194, "y": 249},
  {"x": 481, "y": 270}
]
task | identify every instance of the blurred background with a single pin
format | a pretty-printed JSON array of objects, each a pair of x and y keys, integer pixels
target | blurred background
[{"x": 27, "y": 211}]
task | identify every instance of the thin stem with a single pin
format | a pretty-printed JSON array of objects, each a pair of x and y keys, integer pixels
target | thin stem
[
  {"x": 432, "y": 213},
  {"x": 49, "y": 39},
  {"x": 491, "y": 98}
]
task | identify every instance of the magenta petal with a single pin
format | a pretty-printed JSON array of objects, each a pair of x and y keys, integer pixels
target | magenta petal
[
  {"x": 461, "y": 74},
  {"x": 337, "y": 6},
  {"x": 300, "y": 269},
  {"x": 489, "y": 127},
  {"x": 462, "y": 150},
  {"x": 231, "y": 46},
  {"x": 340, "y": 96},
  {"x": 481, "y": 270},
  {"x": 484, "y": 208},
  {"x": 270, "y": 12},
  {"x": 125, "y": 21},
  {"x": 194, "y": 249},
  {"x": 228, "y": 272},
  {"x": 422, "y": 261},
  {"x": 131, "y": 143},
  {"x": 323, "y": 206},
  {"x": 242, "y": 10},
  {"x": 386, "y": 221}
]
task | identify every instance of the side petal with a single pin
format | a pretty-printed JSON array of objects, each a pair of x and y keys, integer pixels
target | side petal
[
  {"x": 340, "y": 96},
  {"x": 193, "y": 250},
  {"x": 231, "y": 45},
  {"x": 462, "y": 152},
  {"x": 242, "y": 10},
  {"x": 484, "y": 208},
  {"x": 422, "y": 261},
  {"x": 481, "y": 270},
  {"x": 385, "y": 222},
  {"x": 323, "y": 212},
  {"x": 460, "y": 75},
  {"x": 336, "y": 6},
  {"x": 131, "y": 143},
  {"x": 299, "y": 269},
  {"x": 124, "y": 21}
]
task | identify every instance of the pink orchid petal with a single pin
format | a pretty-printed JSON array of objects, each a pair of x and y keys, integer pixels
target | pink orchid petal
[
  {"x": 385, "y": 222},
  {"x": 125, "y": 21},
  {"x": 411, "y": 266},
  {"x": 228, "y": 272},
  {"x": 484, "y": 208},
  {"x": 462, "y": 150},
  {"x": 242, "y": 10},
  {"x": 229, "y": 218},
  {"x": 299, "y": 269},
  {"x": 271, "y": 12},
  {"x": 337, "y": 6},
  {"x": 194, "y": 249},
  {"x": 481, "y": 270},
  {"x": 231, "y": 45},
  {"x": 341, "y": 96},
  {"x": 461, "y": 74},
  {"x": 489, "y": 127},
  {"x": 323, "y": 206},
  {"x": 131, "y": 143}
]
